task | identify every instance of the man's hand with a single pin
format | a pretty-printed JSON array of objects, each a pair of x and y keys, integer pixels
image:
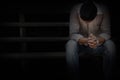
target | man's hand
[
  {"x": 92, "y": 41},
  {"x": 101, "y": 40}
]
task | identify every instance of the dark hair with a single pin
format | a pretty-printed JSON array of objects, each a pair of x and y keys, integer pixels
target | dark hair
[{"x": 88, "y": 10}]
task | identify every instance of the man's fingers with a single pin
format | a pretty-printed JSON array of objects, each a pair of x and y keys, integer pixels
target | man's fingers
[
  {"x": 92, "y": 38},
  {"x": 93, "y": 43}
]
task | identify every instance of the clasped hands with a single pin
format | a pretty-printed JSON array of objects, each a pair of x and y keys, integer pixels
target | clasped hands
[{"x": 91, "y": 41}]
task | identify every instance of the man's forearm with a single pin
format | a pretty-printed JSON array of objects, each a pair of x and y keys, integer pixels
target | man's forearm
[
  {"x": 83, "y": 41},
  {"x": 101, "y": 40}
]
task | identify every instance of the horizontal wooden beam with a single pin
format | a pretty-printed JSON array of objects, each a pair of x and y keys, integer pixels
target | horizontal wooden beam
[
  {"x": 34, "y": 55},
  {"x": 35, "y": 24},
  {"x": 29, "y": 39},
  {"x": 44, "y": 55}
]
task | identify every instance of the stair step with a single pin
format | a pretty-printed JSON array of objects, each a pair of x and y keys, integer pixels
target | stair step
[
  {"x": 44, "y": 55},
  {"x": 35, "y": 24},
  {"x": 9, "y": 39},
  {"x": 34, "y": 55}
]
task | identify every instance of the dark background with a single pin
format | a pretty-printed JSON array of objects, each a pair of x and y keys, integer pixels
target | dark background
[{"x": 45, "y": 58}]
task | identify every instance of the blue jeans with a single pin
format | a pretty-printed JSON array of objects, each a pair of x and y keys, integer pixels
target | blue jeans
[{"x": 73, "y": 50}]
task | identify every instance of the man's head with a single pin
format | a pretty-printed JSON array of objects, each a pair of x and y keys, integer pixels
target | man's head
[{"x": 88, "y": 11}]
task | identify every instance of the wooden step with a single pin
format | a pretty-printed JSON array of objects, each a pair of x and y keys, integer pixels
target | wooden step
[
  {"x": 44, "y": 55},
  {"x": 34, "y": 55},
  {"x": 27, "y": 39},
  {"x": 34, "y": 24}
]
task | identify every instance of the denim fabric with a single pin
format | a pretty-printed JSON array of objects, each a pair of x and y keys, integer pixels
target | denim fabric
[{"x": 73, "y": 50}]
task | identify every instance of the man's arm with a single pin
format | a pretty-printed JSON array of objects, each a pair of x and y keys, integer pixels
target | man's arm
[
  {"x": 74, "y": 25},
  {"x": 105, "y": 32},
  {"x": 105, "y": 26}
]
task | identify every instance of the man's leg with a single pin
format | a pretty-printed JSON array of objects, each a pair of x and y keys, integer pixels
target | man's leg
[
  {"x": 72, "y": 57},
  {"x": 108, "y": 59}
]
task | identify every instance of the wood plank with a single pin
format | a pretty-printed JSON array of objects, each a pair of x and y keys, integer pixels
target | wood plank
[
  {"x": 43, "y": 55},
  {"x": 35, "y": 24},
  {"x": 34, "y": 55},
  {"x": 24, "y": 39}
]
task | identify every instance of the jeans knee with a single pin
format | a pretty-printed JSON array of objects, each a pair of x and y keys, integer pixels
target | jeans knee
[
  {"x": 71, "y": 43},
  {"x": 72, "y": 56},
  {"x": 109, "y": 42},
  {"x": 71, "y": 47},
  {"x": 110, "y": 45}
]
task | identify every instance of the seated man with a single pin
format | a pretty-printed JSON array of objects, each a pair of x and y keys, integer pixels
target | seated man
[{"x": 90, "y": 33}]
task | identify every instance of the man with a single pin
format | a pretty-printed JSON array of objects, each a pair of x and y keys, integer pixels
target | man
[{"x": 90, "y": 33}]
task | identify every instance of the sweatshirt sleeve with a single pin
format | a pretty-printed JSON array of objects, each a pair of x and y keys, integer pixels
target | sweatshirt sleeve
[
  {"x": 105, "y": 25},
  {"x": 74, "y": 25}
]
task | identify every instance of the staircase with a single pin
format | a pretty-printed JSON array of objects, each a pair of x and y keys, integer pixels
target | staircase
[{"x": 32, "y": 40}]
